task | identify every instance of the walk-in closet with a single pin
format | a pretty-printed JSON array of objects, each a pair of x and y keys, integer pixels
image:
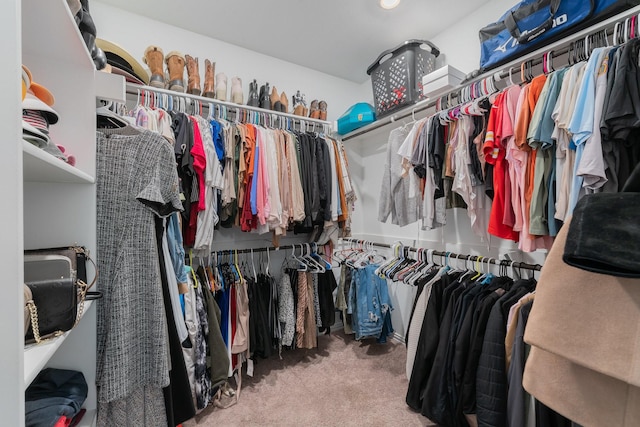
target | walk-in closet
[{"x": 372, "y": 212}]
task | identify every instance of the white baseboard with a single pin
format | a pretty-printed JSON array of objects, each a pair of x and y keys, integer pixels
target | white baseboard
[{"x": 398, "y": 337}]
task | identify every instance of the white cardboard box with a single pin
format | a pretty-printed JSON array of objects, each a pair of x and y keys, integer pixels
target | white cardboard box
[{"x": 441, "y": 80}]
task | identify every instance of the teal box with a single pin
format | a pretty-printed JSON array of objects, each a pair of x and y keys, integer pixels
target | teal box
[{"x": 358, "y": 115}]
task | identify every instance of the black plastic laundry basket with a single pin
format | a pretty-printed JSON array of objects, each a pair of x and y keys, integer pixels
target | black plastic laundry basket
[{"x": 396, "y": 76}]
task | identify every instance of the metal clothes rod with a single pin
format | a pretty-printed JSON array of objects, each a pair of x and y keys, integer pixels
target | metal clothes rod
[
  {"x": 479, "y": 258},
  {"x": 135, "y": 89},
  {"x": 559, "y": 47},
  {"x": 265, "y": 249}
]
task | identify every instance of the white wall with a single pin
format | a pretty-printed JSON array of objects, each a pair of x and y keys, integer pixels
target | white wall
[{"x": 134, "y": 33}]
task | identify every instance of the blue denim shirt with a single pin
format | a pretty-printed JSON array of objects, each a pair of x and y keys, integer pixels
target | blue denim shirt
[
  {"x": 368, "y": 303},
  {"x": 176, "y": 250}
]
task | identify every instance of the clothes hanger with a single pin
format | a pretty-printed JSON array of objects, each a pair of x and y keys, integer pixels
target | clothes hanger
[
  {"x": 315, "y": 266},
  {"x": 107, "y": 119},
  {"x": 319, "y": 257},
  {"x": 302, "y": 266},
  {"x": 253, "y": 266},
  {"x": 397, "y": 248}
]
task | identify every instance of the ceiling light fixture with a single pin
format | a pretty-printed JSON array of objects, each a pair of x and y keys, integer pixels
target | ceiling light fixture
[{"x": 389, "y": 4}]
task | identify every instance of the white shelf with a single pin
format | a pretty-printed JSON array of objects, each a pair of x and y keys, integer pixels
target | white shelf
[
  {"x": 50, "y": 32},
  {"x": 36, "y": 356},
  {"x": 40, "y": 166},
  {"x": 110, "y": 87}
]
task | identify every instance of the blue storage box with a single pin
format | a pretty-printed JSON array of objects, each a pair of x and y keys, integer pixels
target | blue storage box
[{"x": 358, "y": 115}]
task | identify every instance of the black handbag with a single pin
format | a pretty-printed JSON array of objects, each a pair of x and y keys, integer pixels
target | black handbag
[
  {"x": 54, "y": 306},
  {"x": 77, "y": 255},
  {"x": 57, "y": 303}
]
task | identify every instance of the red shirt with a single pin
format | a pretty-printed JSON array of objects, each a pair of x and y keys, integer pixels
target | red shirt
[{"x": 494, "y": 153}]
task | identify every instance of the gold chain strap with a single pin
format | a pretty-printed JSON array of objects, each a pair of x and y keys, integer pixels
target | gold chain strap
[
  {"x": 82, "y": 295},
  {"x": 33, "y": 311}
]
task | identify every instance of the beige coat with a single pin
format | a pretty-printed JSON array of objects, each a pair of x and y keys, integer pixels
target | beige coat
[{"x": 585, "y": 331}]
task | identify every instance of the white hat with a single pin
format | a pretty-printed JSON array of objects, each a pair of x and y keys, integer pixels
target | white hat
[
  {"x": 32, "y": 102},
  {"x": 33, "y": 135}
]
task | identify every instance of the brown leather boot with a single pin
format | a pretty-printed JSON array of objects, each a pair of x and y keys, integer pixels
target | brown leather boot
[
  {"x": 323, "y": 110},
  {"x": 284, "y": 102},
  {"x": 175, "y": 64},
  {"x": 275, "y": 99},
  {"x": 315, "y": 112},
  {"x": 154, "y": 58},
  {"x": 209, "y": 79},
  {"x": 193, "y": 75}
]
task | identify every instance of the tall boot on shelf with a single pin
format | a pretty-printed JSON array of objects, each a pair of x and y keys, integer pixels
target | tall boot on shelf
[
  {"x": 323, "y": 110},
  {"x": 175, "y": 65},
  {"x": 305, "y": 110},
  {"x": 154, "y": 58},
  {"x": 236, "y": 90},
  {"x": 274, "y": 100},
  {"x": 254, "y": 99},
  {"x": 221, "y": 87},
  {"x": 264, "y": 97},
  {"x": 193, "y": 75},
  {"x": 209, "y": 78},
  {"x": 298, "y": 107},
  {"x": 284, "y": 103},
  {"x": 315, "y": 111}
]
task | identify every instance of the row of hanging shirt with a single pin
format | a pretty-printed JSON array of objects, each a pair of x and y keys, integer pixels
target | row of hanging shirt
[
  {"x": 534, "y": 151},
  {"x": 252, "y": 177},
  {"x": 235, "y": 313}
]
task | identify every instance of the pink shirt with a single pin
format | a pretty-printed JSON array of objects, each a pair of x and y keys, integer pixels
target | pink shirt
[
  {"x": 199, "y": 163},
  {"x": 264, "y": 209}
]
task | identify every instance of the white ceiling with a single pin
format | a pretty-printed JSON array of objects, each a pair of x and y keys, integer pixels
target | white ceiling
[{"x": 338, "y": 37}]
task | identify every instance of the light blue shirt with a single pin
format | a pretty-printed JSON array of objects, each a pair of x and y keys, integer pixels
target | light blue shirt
[
  {"x": 581, "y": 124},
  {"x": 176, "y": 249}
]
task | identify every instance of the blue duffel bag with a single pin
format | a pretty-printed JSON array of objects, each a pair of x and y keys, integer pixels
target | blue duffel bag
[{"x": 532, "y": 24}]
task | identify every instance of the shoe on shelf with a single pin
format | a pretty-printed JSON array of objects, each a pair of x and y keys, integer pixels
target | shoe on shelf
[
  {"x": 254, "y": 99},
  {"x": 299, "y": 104},
  {"x": 175, "y": 64},
  {"x": 322, "y": 105},
  {"x": 265, "y": 101},
  {"x": 209, "y": 79},
  {"x": 305, "y": 110},
  {"x": 193, "y": 75},
  {"x": 221, "y": 87},
  {"x": 236, "y": 90},
  {"x": 274, "y": 100},
  {"x": 284, "y": 103},
  {"x": 315, "y": 111},
  {"x": 154, "y": 58}
]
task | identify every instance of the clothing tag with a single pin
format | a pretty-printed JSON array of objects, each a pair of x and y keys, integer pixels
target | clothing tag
[{"x": 250, "y": 367}]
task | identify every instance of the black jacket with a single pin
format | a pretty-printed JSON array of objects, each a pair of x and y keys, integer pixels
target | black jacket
[
  {"x": 428, "y": 342},
  {"x": 491, "y": 386}
]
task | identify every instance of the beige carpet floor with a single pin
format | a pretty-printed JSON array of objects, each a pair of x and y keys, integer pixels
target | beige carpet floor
[{"x": 341, "y": 383}]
